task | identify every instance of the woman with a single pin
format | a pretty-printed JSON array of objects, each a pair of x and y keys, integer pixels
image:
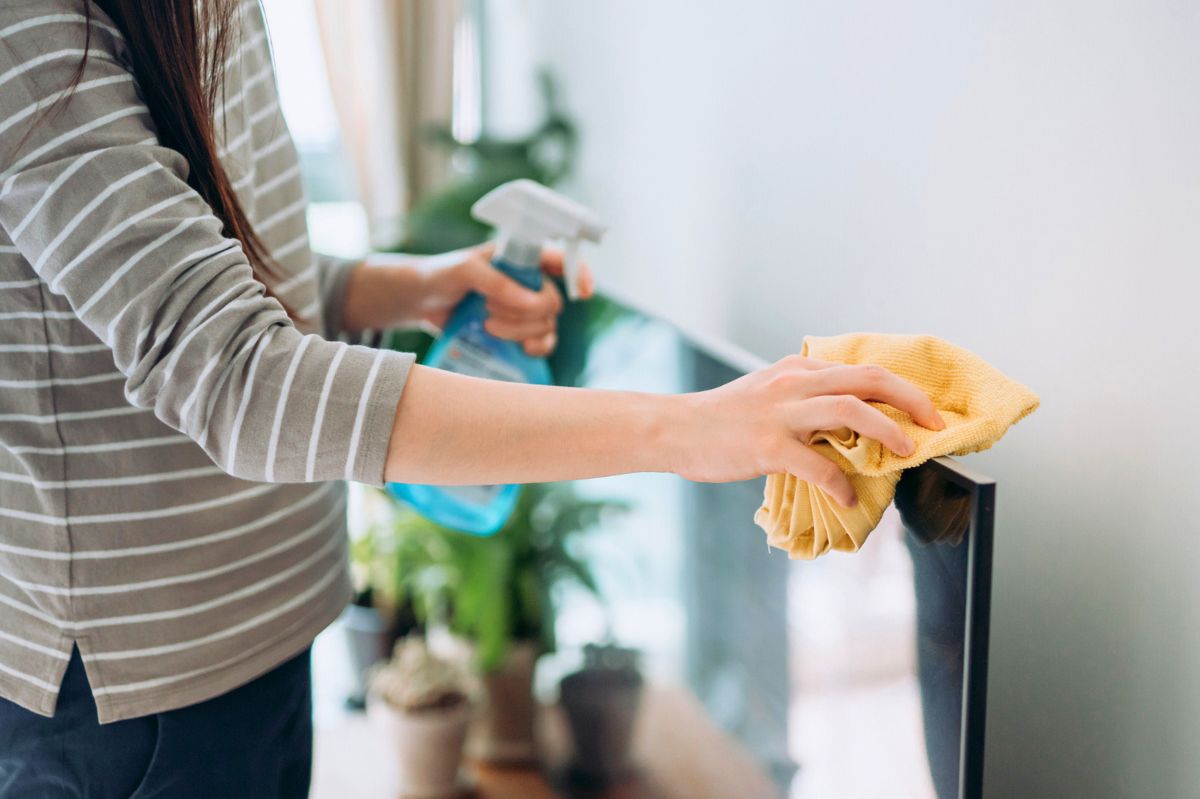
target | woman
[{"x": 177, "y": 416}]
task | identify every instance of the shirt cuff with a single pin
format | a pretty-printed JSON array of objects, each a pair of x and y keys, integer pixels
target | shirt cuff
[{"x": 382, "y": 399}]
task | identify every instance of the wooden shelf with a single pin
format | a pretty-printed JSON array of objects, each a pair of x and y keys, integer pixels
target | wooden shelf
[{"x": 679, "y": 753}]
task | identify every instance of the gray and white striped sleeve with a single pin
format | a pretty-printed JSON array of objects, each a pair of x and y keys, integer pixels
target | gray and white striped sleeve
[
  {"x": 105, "y": 216},
  {"x": 333, "y": 276}
]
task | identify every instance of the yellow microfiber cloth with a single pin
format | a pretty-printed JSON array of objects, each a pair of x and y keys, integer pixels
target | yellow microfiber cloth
[{"x": 977, "y": 402}]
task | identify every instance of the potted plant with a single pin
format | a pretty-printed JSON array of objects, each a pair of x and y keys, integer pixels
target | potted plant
[
  {"x": 494, "y": 595},
  {"x": 423, "y": 701},
  {"x": 601, "y": 703},
  {"x": 381, "y": 611}
]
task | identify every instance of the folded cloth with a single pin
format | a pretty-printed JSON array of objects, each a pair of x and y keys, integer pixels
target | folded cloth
[{"x": 977, "y": 402}]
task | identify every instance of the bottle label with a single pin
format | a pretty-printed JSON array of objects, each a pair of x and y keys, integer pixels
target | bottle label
[{"x": 469, "y": 354}]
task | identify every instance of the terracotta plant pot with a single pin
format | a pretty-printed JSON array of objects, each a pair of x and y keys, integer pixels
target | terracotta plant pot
[
  {"x": 428, "y": 745},
  {"x": 601, "y": 706},
  {"x": 503, "y": 731}
]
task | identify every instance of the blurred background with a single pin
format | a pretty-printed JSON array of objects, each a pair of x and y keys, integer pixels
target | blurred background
[{"x": 1020, "y": 178}]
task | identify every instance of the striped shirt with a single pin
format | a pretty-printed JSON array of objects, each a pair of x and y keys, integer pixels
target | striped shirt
[{"x": 172, "y": 446}]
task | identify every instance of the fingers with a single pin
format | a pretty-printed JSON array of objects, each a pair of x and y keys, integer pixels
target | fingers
[
  {"x": 552, "y": 262},
  {"x": 515, "y": 312},
  {"x": 507, "y": 295},
  {"x": 877, "y": 383},
  {"x": 832, "y": 412},
  {"x": 538, "y": 336},
  {"x": 541, "y": 346},
  {"x": 517, "y": 329},
  {"x": 528, "y": 322},
  {"x": 511, "y": 300},
  {"x": 587, "y": 284},
  {"x": 810, "y": 466}
]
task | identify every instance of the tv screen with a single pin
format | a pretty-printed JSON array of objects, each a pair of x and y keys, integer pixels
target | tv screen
[{"x": 854, "y": 675}]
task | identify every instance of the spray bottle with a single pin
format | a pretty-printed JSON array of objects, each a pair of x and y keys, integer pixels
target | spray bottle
[{"x": 527, "y": 216}]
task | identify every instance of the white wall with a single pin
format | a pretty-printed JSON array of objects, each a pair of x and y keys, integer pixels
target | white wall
[{"x": 1020, "y": 177}]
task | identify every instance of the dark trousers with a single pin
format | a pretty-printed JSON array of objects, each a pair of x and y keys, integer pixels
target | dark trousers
[{"x": 253, "y": 742}]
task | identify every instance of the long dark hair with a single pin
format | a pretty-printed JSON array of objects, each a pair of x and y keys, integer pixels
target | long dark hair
[{"x": 178, "y": 49}]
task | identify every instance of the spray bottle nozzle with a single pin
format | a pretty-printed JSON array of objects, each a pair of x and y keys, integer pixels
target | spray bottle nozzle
[{"x": 531, "y": 213}]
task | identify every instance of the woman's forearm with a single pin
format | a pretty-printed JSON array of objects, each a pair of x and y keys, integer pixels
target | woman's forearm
[
  {"x": 383, "y": 296},
  {"x": 455, "y": 430},
  {"x": 452, "y": 430}
]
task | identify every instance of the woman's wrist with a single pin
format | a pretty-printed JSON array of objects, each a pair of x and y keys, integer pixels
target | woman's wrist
[
  {"x": 660, "y": 424},
  {"x": 673, "y": 432},
  {"x": 383, "y": 293}
]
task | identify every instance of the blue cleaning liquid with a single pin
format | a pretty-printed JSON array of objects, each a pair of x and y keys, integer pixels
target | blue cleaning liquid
[{"x": 465, "y": 347}]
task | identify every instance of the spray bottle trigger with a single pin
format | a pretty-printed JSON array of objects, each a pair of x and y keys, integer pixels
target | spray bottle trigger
[{"x": 571, "y": 275}]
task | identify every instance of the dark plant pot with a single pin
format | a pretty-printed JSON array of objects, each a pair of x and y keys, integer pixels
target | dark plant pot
[
  {"x": 601, "y": 706},
  {"x": 369, "y": 639},
  {"x": 503, "y": 729}
]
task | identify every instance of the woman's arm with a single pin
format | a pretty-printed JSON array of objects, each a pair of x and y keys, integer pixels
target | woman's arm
[
  {"x": 382, "y": 295},
  {"x": 451, "y": 429}
]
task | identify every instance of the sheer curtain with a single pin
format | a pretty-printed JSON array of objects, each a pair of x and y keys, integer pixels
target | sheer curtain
[{"x": 391, "y": 68}]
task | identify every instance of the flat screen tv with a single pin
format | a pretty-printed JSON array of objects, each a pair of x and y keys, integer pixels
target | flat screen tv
[{"x": 854, "y": 675}]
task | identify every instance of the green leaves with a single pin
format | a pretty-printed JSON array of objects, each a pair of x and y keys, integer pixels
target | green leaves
[
  {"x": 488, "y": 590},
  {"x": 441, "y": 219}
]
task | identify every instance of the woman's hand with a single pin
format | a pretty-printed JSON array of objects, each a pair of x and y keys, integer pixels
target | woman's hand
[
  {"x": 760, "y": 423},
  {"x": 514, "y": 312},
  {"x": 393, "y": 290}
]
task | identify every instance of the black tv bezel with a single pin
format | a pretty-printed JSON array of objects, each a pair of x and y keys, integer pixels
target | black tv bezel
[{"x": 978, "y": 613}]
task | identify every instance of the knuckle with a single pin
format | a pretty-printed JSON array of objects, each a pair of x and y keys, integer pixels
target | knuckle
[
  {"x": 780, "y": 366},
  {"x": 795, "y": 361},
  {"x": 775, "y": 382},
  {"x": 845, "y": 405},
  {"x": 875, "y": 376},
  {"x": 787, "y": 380}
]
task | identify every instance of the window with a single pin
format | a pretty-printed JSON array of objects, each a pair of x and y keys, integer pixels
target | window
[{"x": 337, "y": 224}]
